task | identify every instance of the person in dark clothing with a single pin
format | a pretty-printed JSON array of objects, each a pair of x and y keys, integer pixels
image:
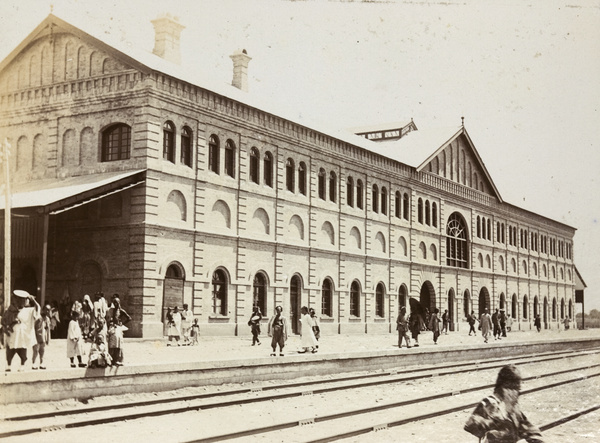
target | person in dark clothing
[
  {"x": 278, "y": 330},
  {"x": 254, "y": 324},
  {"x": 415, "y": 323},
  {"x": 402, "y": 328},
  {"x": 434, "y": 325},
  {"x": 472, "y": 319},
  {"x": 445, "y": 322},
  {"x": 538, "y": 322},
  {"x": 498, "y": 418},
  {"x": 502, "y": 319},
  {"x": 496, "y": 324}
]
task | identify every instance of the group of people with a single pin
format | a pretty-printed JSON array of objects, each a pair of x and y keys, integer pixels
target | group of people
[
  {"x": 25, "y": 324},
  {"x": 277, "y": 329},
  {"x": 181, "y": 325},
  {"x": 415, "y": 324}
]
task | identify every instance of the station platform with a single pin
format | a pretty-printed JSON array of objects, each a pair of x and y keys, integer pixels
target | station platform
[{"x": 150, "y": 365}]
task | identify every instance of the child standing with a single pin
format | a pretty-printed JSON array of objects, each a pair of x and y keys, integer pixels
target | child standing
[
  {"x": 75, "y": 341},
  {"x": 195, "y": 332},
  {"x": 42, "y": 336}
]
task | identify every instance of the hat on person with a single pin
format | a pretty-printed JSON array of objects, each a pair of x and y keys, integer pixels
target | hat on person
[{"x": 21, "y": 293}]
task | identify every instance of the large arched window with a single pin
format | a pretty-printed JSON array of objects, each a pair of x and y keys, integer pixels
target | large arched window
[
  {"x": 525, "y": 307},
  {"x": 350, "y": 192},
  {"x": 434, "y": 217},
  {"x": 169, "y": 141},
  {"x": 384, "y": 200},
  {"x": 360, "y": 194},
  {"x": 219, "y": 292},
  {"x": 254, "y": 170},
  {"x": 259, "y": 291},
  {"x": 290, "y": 175},
  {"x": 230, "y": 158},
  {"x": 427, "y": 213},
  {"x": 321, "y": 184},
  {"x": 403, "y": 296},
  {"x": 268, "y": 169},
  {"x": 406, "y": 206},
  {"x": 326, "y": 298},
  {"x": 213, "y": 153},
  {"x": 355, "y": 299},
  {"x": 379, "y": 300},
  {"x": 397, "y": 204},
  {"x": 332, "y": 186},
  {"x": 457, "y": 248},
  {"x": 186, "y": 146},
  {"x": 116, "y": 141},
  {"x": 302, "y": 178},
  {"x": 420, "y": 210}
]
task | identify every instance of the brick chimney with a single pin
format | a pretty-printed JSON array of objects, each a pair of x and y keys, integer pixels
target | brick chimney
[
  {"x": 167, "y": 30},
  {"x": 240, "y": 69}
]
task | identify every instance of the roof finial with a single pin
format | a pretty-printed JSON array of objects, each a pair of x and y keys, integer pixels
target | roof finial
[
  {"x": 51, "y": 8},
  {"x": 463, "y": 121}
]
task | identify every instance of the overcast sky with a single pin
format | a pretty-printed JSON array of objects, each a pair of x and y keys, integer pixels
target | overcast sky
[{"x": 525, "y": 77}]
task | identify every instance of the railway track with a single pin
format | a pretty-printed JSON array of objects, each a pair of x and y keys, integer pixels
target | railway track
[{"x": 95, "y": 416}]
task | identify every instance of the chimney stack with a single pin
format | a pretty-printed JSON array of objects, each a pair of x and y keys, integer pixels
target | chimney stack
[
  {"x": 240, "y": 69},
  {"x": 167, "y": 30}
]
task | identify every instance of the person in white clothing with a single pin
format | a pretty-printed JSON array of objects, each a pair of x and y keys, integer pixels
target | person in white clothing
[
  {"x": 187, "y": 318},
  {"x": 174, "y": 331},
  {"x": 309, "y": 342},
  {"x": 18, "y": 324}
]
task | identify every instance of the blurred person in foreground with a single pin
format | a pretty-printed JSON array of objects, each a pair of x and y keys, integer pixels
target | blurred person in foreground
[{"x": 498, "y": 418}]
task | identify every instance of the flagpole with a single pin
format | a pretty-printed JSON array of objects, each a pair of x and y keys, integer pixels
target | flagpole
[{"x": 7, "y": 226}]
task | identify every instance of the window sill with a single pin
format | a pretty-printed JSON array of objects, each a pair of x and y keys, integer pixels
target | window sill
[
  {"x": 355, "y": 319},
  {"x": 326, "y": 319},
  {"x": 218, "y": 318}
]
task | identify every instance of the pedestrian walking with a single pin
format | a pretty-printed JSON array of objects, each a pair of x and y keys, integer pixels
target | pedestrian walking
[
  {"x": 75, "y": 341},
  {"x": 538, "y": 323},
  {"x": 498, "y": 418},
  {"x": 42, "y": 337},
  {"x": 496, "y": 324},
  {"x": 472, "y": 319},
  {"x": 415, "y": 325},
  {"x": 316, "y": 328},
  {"x": 174, "y": 331},
  {"x": 187, "y": 318},
  {"x": 195, "y": 332},
  {"x": 434, "y": 325},
  {"x": 309, "y": 342},
  {"x": 502, "y": 319},
  {"x": 18, "y": 322},
  {"x": 445, "y": 322},
  {"x": 402, "y": 328},
  {"x": 254, "y": 324},
  {"x": 485, "y": 323},
  {"x": 278, "y": 330}
]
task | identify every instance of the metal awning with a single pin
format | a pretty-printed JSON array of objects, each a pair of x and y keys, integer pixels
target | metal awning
[{"x": 53, "y": 196}]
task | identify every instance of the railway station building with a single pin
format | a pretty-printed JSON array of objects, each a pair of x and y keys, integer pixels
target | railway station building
[{"x": 130, "y": 175}]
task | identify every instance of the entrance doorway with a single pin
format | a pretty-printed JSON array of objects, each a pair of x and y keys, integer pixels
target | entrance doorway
[
  {"x": 484, "y": 301},
  {"x": 295, "y": 303},
  {"x": 172, "y": 290},
  {"x": 451, "y": 323}
]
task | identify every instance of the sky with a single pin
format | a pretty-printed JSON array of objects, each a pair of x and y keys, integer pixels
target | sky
[{"x": 526, "y": 78}]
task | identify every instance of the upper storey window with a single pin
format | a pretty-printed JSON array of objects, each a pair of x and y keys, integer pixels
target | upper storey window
[
  {"x": 302, "y": 178},
  {"x": 116, "y": 142},
  {"x": 254, "y": 165},
  {"x": 186, "y": 146},
  {"x": 321, "y": 184},
  {"x": 332, "y": 186},
  {"x": 169, "y": 142},
  {"x": 213, "y": 154},
  {"x": 230, "y": 158},
  {"x": 457, "y": 248},
  {"x": 289, "y": 175},
  {"x": 360, "y": 194},
  {"x": 268, "y": 169}
]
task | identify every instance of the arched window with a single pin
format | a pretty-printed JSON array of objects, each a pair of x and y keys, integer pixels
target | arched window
[
  {"x": 254, "y": 166},
  {"x": 420, "y": 211},
  {"x": 326, "y": 298},
  {"x": 186, "y": 146},
  {"x": 360, "y": 194},
  {"x": 525, "y": 307},
  {"x": 259, "y": 291},
  {"x": 289, "y": 175},
  {"x": 457, "y": 250},
  {"x": 478, "y": 227},
  {"x": 466, "y": 303},
  {"x": 514, "y": 306},
  {"x": 213, "y": 153},
  {"x": 434, "y": 217},
  {"x": 169, "y": 141},
  {"x": 379, "y": 300},
  {"x": 406, "y": 207},
  {"x": 489, "y": 229},
  {"x": 116, "y": 141},
  {"x": 302, "y": 178},
  {"x": 350, "y": 192},
  {"x": 384, "y": 200},
  {"x": 321, "y": 184},
  {"x": 554, "y": 309},
  {"x": 397, "y": 204},
  {"x": 268, "y": 169},
  {"x": 355, "y": 299},
  {"x": 219, "y": 292},
  {"x": 332, "y": 186},
  {"x": 375, "y": 199},
  {"x": 230, "y": 158},
  {"x": 403, "y": 296}
]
